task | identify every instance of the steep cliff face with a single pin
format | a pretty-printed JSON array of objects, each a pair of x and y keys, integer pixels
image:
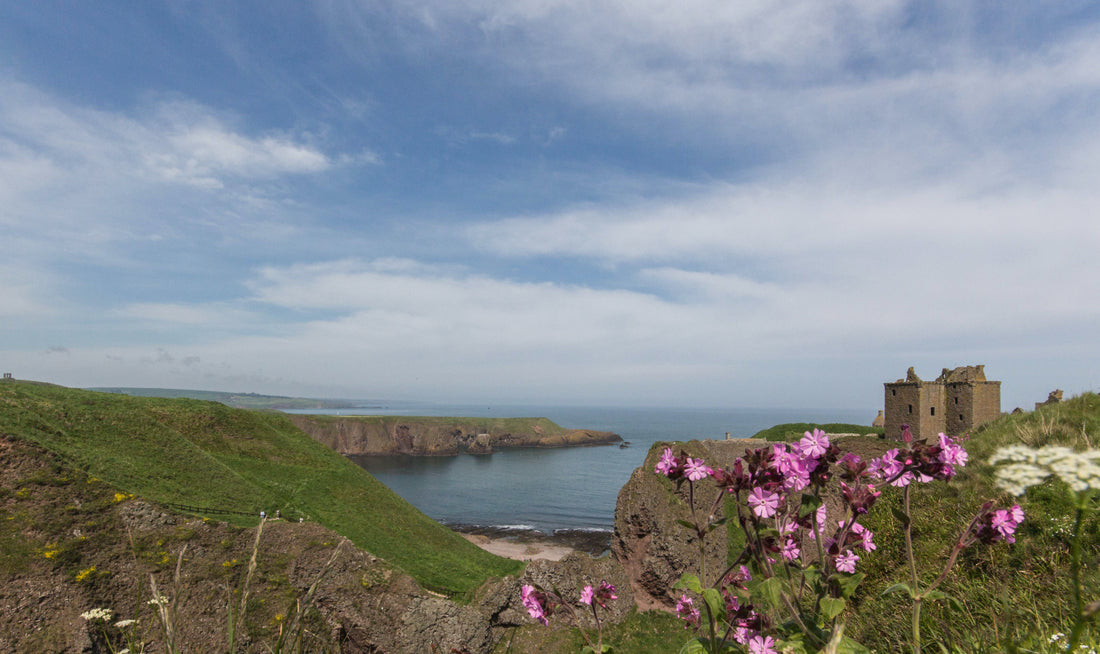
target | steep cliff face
[
  {"x": 429, "y": 436},
  {"x": 648, "y": 541}
]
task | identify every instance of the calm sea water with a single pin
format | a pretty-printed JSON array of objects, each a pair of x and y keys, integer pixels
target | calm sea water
[{"x": 559, "y": 489}]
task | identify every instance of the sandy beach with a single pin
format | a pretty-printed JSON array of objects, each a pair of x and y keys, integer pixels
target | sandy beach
[{"x": 511, "y": 549}]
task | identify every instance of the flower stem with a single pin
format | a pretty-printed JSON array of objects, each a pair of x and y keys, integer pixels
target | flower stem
[
  {"x": 1075, "y": 567},
  {"x": 912, "y": 569}
]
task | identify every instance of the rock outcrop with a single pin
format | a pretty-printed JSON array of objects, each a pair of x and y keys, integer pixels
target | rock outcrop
[
  {"x": 652, "y": 547},
  {"x": 388, "y": 435}
]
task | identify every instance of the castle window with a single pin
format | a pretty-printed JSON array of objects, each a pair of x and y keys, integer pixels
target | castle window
[
  {"x": 910, "y": 408},
  {"x": 960, "y": 417},
  {"x": 956, "y": 400},
  {"x": 933, "y": 410},
  {"x": 893, "y": 392}
]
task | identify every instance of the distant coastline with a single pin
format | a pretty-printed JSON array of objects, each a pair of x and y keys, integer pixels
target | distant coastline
[{"x": 246, "y": 400}]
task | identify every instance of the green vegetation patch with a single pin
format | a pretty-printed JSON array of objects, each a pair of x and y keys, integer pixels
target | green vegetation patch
[
  {"x": 207, "y": 455},
  {"x": 792, "y": 431},
  {"x": 542, "y": 426}
]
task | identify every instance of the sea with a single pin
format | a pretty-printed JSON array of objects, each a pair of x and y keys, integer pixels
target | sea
[{"x": 568, "y": 494}]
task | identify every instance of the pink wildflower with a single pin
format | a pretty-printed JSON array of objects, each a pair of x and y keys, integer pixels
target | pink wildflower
[
  {"x": 814, "y": 444},
  {"x": 764, "y": 503},
  {"x": 1005, "y": 521},
  {"x": 846, "y": 562},
  {"x": 952, "y": 453},
  {"x": 533, "y": 602},
  {"x": 790, "y": 550},
  {"x": 605, "y": 592},
  {"x": 587, "y": 594},
  {"x": 696, "y": 469},
  {"x": 865, "y": 535},
  {"x": 685, "y": 608},
  {"x": 762, "y": 645},
  {"x": 668, "y": 463}
]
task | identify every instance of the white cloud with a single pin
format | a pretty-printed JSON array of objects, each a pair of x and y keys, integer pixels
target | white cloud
[{"x": 176, "y": 314}]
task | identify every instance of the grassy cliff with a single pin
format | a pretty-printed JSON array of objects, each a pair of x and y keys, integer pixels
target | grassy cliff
[
  {"x": 421, "y": 435},
  {"x": 207, "y": 455}
]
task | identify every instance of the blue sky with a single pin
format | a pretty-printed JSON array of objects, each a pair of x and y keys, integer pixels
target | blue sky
[{"x": 703, "y": 203}]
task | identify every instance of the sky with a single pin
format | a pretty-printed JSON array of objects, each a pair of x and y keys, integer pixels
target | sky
[{"x": 700, "y": 203}]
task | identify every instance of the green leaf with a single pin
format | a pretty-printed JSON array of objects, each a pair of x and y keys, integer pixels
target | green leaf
[
  {"x": 896, "y": 587},
  {"x": 811, "y": 574},
  {"x": 832, "y": 607},
  {"x": 849, "y": 583},
  {"x": 685, "y": 523},
  {"x": 772, "y": 591},
  {"x": 849, "y": 646},
  {"x": 693, "y": 646},
  {"x": 900, "y": 515},
  {"x": 691, "y": 582},
  {"x": 809, "y": 504},
  {"x": 940, "y": 595},
  {"x": 716, "y": 604}
]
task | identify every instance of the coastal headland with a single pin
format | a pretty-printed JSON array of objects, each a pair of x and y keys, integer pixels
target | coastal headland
[{"x": 439, "y": 436}]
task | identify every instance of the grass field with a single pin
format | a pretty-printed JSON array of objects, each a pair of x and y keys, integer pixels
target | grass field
[
  {"x": 205, "y": 454},
  {"x": 792, "y": 431}
]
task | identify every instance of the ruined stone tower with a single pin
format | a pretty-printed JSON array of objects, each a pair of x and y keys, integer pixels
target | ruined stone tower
[{"x": 958, "y": 401}]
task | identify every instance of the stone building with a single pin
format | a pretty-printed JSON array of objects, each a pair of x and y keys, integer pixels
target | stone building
[{"x": 958, "y": 401}]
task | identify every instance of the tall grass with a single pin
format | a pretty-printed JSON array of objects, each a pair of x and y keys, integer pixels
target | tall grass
[{"x": 1003, "y": 597}]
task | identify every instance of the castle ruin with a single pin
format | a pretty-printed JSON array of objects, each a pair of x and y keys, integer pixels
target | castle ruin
[{"x": 958, "y": 401}]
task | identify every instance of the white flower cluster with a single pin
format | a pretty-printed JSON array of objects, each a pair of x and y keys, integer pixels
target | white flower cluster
[
  {"x": 1028, "y": 466},
  {"x": 97, "y": 614},
  {"x": 159, "y": 600}
]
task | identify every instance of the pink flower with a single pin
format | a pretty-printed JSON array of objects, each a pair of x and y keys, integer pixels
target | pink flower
[
  {"x": 790, "y": 550},
  {"x": 764, "y": 503},
  {"x": 819, "y": 517},
  {"x": 533, "y": 601},
  {"x": 846, "y": 562},
  {"x": 685, "y": 608},
  {"x": 866, "y": 535},
  {"x": 696, "y": 469},
  {"x": 668, "y": 463},
  {"x": 762, "y": 645},
  {"x": 586, "y": 595},
  {"x": 1005, "y": 521},
  {"x": 814, "y": 444},
  {"x": 605, "y": 592},
  {"x": 952, "y": 453}
]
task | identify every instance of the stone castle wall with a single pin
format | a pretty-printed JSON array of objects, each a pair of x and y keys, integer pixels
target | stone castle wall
[{"x": 957, "y": 402}]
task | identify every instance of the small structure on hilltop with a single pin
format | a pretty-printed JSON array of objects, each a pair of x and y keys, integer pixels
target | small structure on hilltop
[
  {"x": 7, "y": 376},
  {"x": 879, "y": 421},
  {"x": 1054, "y": 397},
  {"x": 957, "y": 401}
]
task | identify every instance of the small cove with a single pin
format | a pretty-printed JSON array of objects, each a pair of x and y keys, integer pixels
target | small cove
[{"x": 569, "y": 491}]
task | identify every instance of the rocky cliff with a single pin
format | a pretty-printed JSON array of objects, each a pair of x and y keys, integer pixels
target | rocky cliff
[
  {"x": 652, "y": 547},
  {"x": 430, "y": 436}
]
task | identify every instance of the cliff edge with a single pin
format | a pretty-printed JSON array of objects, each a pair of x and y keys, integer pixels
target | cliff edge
[{"x": 430, "y": 436}]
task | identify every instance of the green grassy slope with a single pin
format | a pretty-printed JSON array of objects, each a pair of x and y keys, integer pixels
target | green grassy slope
[
  {"x": 792, "y": 431},
  {"x": 1017, "y": 594},
  {"x": 238, "y": 400},
  {"x": 468, "y": 425},
  {"x": 206, "y": 454}
]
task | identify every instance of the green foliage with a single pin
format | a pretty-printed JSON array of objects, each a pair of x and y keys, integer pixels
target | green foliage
[
  {"x": 997, "y": 597},
  {"x": 792, "y": 431},
  {"x": 205, "y": 454}
]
